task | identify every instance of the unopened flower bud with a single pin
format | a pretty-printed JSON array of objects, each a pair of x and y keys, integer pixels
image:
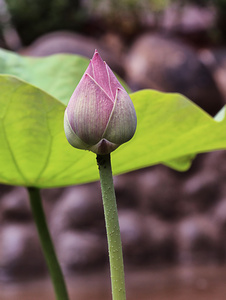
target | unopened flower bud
[{"x": 100, "y": 115}]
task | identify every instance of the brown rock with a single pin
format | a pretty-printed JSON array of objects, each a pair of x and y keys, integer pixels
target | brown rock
[
  {"x": 5, "y": 189},
  {"x": 198, "y": 240},
  {"x": 14, "y": 206},
  {"x": 167, "y": 64},
  {"x": 72, "y": 43},
  {"x": 161, "y": 240},
  {"x": 127, "y": 190},
  {"x": 189, "y": 18},
  {"x": 81, "y": 250},
  {"x": 134, "y": 237},
  {"x": 219, "y": 216},
  {"x": 201, "y": 192},
  {"x": 160, "y": 192},
  {"x": 20, "y": 252},
  {"x": 215, "y": 60},
  {"x": 79, "y": 207}
]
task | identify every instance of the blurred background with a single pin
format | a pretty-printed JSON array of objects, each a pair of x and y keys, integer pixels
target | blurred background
[{"x": 173, "y": 224}]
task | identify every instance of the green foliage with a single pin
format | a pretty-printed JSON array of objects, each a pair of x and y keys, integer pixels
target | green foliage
[
  {"x": 30, "y": 124},
  {"x": 58, "y": 74},
  {"x": 94, "y": 17},
  {"x": 35, "y": 152},
  {"x": 34, "y": 18}
]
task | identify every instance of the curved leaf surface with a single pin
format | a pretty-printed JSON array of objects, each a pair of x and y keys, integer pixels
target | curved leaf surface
[
  {"x": 56, "y": 74},
  {"x": 35, "y": 152},
  {"x": 171, "y": 129}
]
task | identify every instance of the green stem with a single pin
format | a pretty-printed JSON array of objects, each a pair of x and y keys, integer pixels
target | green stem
[
  {"x": 112, "y": 227},
  {"x": 47, "y": 245}
]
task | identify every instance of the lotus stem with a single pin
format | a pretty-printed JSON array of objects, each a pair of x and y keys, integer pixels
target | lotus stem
[
  {"x": 47, "y": 244},
  {"x": 112, "y": 228}
]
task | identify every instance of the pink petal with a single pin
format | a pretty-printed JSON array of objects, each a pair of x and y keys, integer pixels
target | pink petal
[
  {"x": 122, "y": 123},
  {"x": 114, "y": 83},
  {"x": 88, "y": 111},
  {"x": 100, "y": 74},
  {"x": 89, "y": 70}
]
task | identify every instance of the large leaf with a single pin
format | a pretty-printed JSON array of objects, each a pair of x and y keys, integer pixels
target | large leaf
[
  {"x": 170, "y": 127},
  {"x": 35, "y": 152},
  {"x": 57, "y": 74}
]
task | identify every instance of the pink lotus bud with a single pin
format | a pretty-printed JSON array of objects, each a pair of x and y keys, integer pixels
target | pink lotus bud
[{"x": 100, "y": 115}]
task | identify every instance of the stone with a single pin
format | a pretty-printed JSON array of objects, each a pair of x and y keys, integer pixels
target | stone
[
  {"x": 80, "y": 251},
  {"x": 166, "y": 64},
  {"x": 20, "y": 252},
  {"x": 79, "y": 207},
  {"x": 161, "y": 241},
  {"x": 218, "y": 214},
  {"x": 5, "y": 189},
  {"x": 160, "y": 192},
  {"x": 15, "y": 207},
  {"x": 201, "y": 192},
  {"x": 215, "y": 163},
  {"x": 134, "y": 237},
  {"x": 189, "y": 18},
  {"x": 215, "y": 61},
  {"x": 73, "y": 43},
  {"x": 198, "y": 240},
  {"x": 127, "y": 190},
  {"x": 52, "y": 195}
]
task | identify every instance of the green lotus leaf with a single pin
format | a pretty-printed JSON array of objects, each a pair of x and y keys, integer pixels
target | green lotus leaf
[
  {"x": 58, "y": 74},
  {"x": 34, "y": 150}
]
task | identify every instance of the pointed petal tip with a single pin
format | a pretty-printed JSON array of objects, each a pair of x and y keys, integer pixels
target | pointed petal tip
[
  {"x": 96, "y": 53},
  {"x": 96, "y": 56}
]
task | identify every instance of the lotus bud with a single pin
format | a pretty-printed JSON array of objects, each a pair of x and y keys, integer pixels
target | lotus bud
[{"x": 100, "y": 115}]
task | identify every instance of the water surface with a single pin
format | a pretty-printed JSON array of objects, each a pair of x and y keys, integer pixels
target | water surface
[{"x": 200, "y": 283}]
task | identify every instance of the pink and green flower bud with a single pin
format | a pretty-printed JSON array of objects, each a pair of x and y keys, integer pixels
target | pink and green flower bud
[{"x": 100, "y": 115}]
